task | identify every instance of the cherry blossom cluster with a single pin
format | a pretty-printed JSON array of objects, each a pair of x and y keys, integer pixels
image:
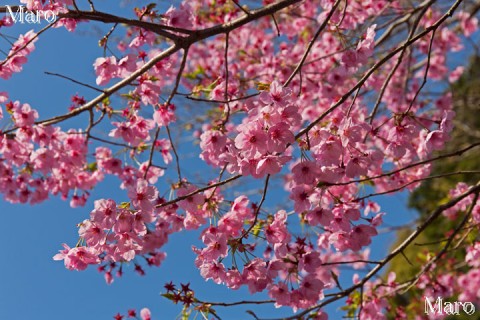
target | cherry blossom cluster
[
  {"x": 462, "y": 205},
  {"x": 17, "y": 56},
  {"x": 41, "y": 160},
  {"x": 115, "y": 234},
  {"x": 291, "y": 270},
  {"x": 261, "y": 139}
]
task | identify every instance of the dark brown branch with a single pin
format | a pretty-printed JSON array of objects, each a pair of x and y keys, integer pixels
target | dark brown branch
[
  {"x": 350, "y": 262},
  {"x": 180, "y": 43},
  {"x": 109, "y": 18},
  {"x": 229, "y": 304},
  {"x": 225, "y": 94}
]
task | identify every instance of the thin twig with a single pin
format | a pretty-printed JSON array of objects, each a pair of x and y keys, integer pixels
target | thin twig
[
  {"x": 225, "y": 94},
  {"x": 241, "y": 7},
  {"x": 257, "y": 210},
  {"x": 177, "y": 158},
  {"x": 429, "y": 54},
  {"x": 74, "y": 81},
  {"x": 230, "y": 304},
  {"x": 310, "y": 44},
  {"x": 213, "y": 185}
]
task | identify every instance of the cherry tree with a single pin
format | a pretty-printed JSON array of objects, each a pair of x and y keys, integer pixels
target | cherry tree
[{"x": 332, "y": 103}]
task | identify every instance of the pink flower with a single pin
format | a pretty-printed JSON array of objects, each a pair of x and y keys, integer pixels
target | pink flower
[
  {"x": 468, "y": 23},
  {"x": 340, "y": 240},
  {"x": 277, "y": 231},
  {"x": 230, "y": 224},
  {"x": 371, "y": 207},
  {"x": 104, "y": 213},
  {"x": 329, "y": 151},
  {"x": 270, "y": 165},
  {"x": 456, "y": 74},
  {"x": 233, "y": 279},
  {"x": 180, "y": 18},
  {"x": 164, "y": 146},
  {"x": 310, "y": 262},
  {"x": 216, "y": 245},
  {"x": 350, "y": 133},
  {"x": 337, "y": 76},
  {"x": 144, "y": 37},
  {"x": 340, "y": 222},
  {"x": 319, "y": 216},
  {"x": 279, "y": 136},
  {"x": 164, "y": 115},
  {"x": 140, "y": 219},
  {"x": 396, "y": 150},
  {"x": 356, "y": 166},
  {"x": 143, "y": 196},
  {"x": 446, "y": 124},
  {"x": 3, "y": 97},
  {"x": 78, "y": 201},
  {"x": 305, "y": 172},
  {"x": 349, "y": 58},
  {"x": 42, "y": 159},
  {"x": 153, "y": 172},
  {"x": 145, "y": 314},
  {"x": 213, "y": 270},
  {"x": 300, "y": 194},
  {"x": 92, "y": 233},
  {"x": 252, "y": 139},
  {"x": 361, "y": 236},
  {"x": 365, "y": 47},
  {"x": 213, "y": 143},
  {"x": 255, "y": 275},
  {"x": 279, "y": 292},
  {"x": 435, "y": 140},
  {"x": 23, "y": 114},
  {"x": 311, "y": 288},
  {"x": 105, "y": 69},
  {"x": 77, "y": 258},
  {"x": 278, "y": 95},
  {"x": 473, "y": 255},
  {"x": 192, "y": 203},
  {"x": 149, "y": 91},
  {"x": 127, "y": 65},
  {"x": 123, "y": 222}
]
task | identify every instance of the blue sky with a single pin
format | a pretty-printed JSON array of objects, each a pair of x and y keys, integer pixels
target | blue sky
[{"x": 32, "y": 285}]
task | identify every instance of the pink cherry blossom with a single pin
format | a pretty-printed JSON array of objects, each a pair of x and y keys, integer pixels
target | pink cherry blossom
[{"x": 105, "y": 69}]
